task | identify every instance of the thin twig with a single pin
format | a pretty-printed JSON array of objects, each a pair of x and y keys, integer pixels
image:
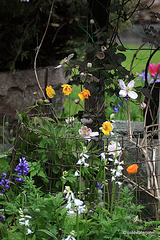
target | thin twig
[{"x": 38, "y": 49}]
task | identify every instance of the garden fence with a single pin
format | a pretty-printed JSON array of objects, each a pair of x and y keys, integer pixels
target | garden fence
[{"x": 53, "y": 163}]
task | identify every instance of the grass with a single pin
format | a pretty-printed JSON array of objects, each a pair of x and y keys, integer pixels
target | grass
[{"x": 138, "y": 65}]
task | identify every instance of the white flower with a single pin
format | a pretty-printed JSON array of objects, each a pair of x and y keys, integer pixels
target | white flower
[
  {"x": 110, "y": 159},
  {"x": 76, "y": 174},
  {"x": 71, "y": 213},
  {"x": 81, "y": 209},
  {"x": 78, "y": 202},
  {"x": 70, "y": 194},
  {"x": 116, "y": 162},
  {"x": 87, "y": 133},
  {"x": 68, "y": 206},
  {"x": 69, "y": 238},
  {"x": 65, "y": 60},
  {"x": 127, "y": 90},
  {"x": 86, "y": 121},
  {"x": 119, "y": 183},
  {"x": 113, "y": 171},
  {"x": 82, "y": 160},
  {"x": 103, "y": 157},
  {"x": 114, "y": 148},
  {"x": 86, "y": 164},
  {"x": 25, "y": 223},
  {"x": 29, "y": 231},
  {"x": 69, "y": 120},
  {"x": 113, "y": 178}
]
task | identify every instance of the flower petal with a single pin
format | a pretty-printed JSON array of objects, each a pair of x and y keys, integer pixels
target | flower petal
[
  {"x": 122, "y": 84},
  {"x": 132, "y": 94},
  {"x": 158, "y": 68},
  {"x": 122, "y": 93},
  {"x": 131, "y": 84},
  {"x": 152, "y": 69}
]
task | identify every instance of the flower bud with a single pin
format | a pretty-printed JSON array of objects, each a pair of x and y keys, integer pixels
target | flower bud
[
  {"x": 100, "y": 55},
  {"x": 89, "y": 65},
  {"x": 40, "y": 102},
  {"x": 76, "y": 101},
  {"x": 37, "y": 210},
  {"x": 6, "y": 124},
  {"x": 11, "y": 131},
  {"x": 103, "y": 48},
  {"x": 46, "y": 101},
  {"x": 91, "y": 21},
  {"x": 25, "y": 211},
  {"x": 143, "y": 105}
]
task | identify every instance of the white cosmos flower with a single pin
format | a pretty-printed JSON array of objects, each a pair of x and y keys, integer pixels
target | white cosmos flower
[{"x": 127, "y": 90}]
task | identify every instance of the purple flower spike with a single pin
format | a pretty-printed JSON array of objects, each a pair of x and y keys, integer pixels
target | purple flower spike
[
  {"x": 20, "y": 180},
  {"x": 4, "y": 182},
  {"x": 23, "y": 167}
]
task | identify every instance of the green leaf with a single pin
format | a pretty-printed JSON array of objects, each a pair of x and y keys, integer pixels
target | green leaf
[{"x": 48, "y": 233}]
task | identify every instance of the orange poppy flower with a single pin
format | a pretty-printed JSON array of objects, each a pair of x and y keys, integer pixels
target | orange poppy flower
[
  {"x": 67, "y": 89},
  {"x": 84, "y": 94},
  {"x": 132, "y": 169},
  {"x": 50, "y": 92}
]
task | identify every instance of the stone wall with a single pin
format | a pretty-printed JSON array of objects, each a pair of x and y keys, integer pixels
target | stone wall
[{"x": 16, "y": 91}]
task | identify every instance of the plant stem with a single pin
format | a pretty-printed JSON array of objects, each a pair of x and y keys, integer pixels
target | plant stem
[
  {"x": 77, "y": 225},
  {"x": 112, "y": 197},
  {"x": 104, "y": 174},
  {"x": 3, "y": 130},
  {"x": 129, "y": 120},
  {"x": 80, "y": 181}
]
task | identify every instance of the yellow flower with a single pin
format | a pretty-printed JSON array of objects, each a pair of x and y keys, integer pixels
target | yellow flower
[
  {"x": 132, "y": 169},
  {"x": 106, "y": 128},
  {"x": 50, "y": 91},
  {"x": 67, "y": 89},
  {"x": 84, "y": 94}
]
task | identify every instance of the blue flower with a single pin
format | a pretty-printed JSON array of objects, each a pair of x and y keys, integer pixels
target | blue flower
[
  {"x": 2, "y": 218},
  {"x": 4, "y": 182},
  {"x": 99, "y": 186},
  {"x": 22, "y": 169},
  {"x": 116, "y": 110}
]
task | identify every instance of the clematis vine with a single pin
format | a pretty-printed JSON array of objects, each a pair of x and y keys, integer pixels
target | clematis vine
[{"x": 127, "y": 90}]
